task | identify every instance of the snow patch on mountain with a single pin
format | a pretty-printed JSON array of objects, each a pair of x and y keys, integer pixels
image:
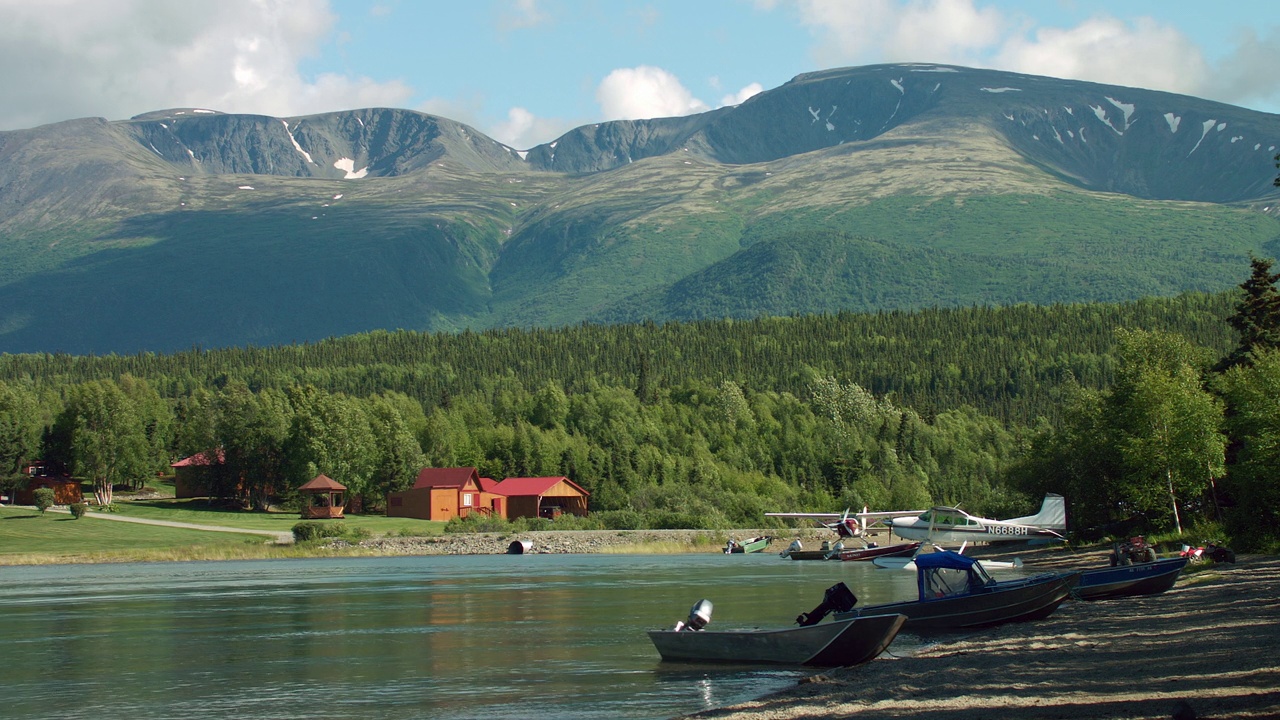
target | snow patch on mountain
[
  {"x": 1126, "y": 108},
  {"x": 294, "y": 140},
  {"x": 348, "y": 166},
  {"x": 1101, "y": 114},
  {"x": 1208, "y": 125}
]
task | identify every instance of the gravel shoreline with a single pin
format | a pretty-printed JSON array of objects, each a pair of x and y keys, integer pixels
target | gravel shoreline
[{"x": 576, "y": 541}]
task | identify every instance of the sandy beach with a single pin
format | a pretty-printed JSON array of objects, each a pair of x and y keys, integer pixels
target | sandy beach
[{"x": 1205, "y": 649}]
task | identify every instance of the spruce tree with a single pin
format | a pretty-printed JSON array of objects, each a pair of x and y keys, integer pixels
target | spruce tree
[{"x": 1257, "y": 316}]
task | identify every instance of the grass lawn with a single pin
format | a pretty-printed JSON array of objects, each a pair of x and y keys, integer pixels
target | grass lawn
[
  {"x": 200, "y": 512},
  {"x": 28, "y": 536}
]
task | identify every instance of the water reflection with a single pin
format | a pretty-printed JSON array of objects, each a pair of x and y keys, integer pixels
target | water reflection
[{"x": 558, "y": 636}]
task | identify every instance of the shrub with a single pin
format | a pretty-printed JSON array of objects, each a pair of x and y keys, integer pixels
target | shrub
[
  {"x": 79, "y": 509},
  {"x": 575, "y": 522},
  {"x": 477, "y": 524},
  {"x": 311, "y": 531},
  {"x": 620, "y": 519},
  {"x": 44, "y": 498},
  {"x": 528, "y": 524},
  {"x": 676, "y": 520}
]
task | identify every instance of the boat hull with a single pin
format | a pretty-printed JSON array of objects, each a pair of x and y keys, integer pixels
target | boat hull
[
  {"x": 841, "y": 643},
  {"x": 754, "y": 545},
  {"x": 811, "y": 555},
  {"x": 1021, "y": 600},
  {"x": 1150, "y": 578},
  {"x": 899, "y": 550}
]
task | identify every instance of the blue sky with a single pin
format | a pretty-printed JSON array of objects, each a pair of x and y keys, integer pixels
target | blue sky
[{"x": 525, "y": 71}]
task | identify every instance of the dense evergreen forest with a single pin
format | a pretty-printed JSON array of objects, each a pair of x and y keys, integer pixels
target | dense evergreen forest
[{"x": 712, "y": 423}]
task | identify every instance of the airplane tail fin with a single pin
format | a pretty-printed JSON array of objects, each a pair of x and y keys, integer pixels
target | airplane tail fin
[{"x": 1052, "y": 515}]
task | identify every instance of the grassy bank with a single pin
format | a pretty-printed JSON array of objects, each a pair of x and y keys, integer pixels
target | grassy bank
[
  {"x": 29, "y": 537},
  {"x": 201, "y": 512}
]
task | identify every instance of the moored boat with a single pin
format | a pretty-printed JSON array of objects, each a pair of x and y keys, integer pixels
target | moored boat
[
  {"x": 829, "y": 551},
  {"x": 750, "y": 545},
  {"x": 956, "y": 593},
  {"x": 871, "y": 552},
  {"x": 841, "y": 643},
  {"x": 1150, "y": 578}
]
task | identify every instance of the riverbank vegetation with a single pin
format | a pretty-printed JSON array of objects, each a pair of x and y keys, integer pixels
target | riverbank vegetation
[{"x": 1159, "y": 412}]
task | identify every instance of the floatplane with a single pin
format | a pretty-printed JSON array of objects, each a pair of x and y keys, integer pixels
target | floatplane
[
  {"x": 950, "y": 525},
  {"x": 946, "y": 525},
  {"x": 942, "y": 525}
]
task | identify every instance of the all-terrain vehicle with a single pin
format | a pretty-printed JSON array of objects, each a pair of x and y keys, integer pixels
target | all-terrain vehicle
[
  {"x": 1134, "y": 550},
  {"x": 1210, "y": 550}
]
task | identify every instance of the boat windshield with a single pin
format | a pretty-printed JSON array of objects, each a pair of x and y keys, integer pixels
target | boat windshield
[
  {"x": 981, "y": 578},
  {"x": 944, "y": 582},
  {"x": 940, "y": 582}
]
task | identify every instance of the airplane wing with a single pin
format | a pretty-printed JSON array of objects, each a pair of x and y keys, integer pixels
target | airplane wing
[
  {"x": 816, "y": 516},
  {"x": 888, "y": 514}
]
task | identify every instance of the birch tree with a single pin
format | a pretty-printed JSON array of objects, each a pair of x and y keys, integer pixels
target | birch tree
[
  {"x": 108, "y": 444},
  {"x": 1169, "y": 427}
]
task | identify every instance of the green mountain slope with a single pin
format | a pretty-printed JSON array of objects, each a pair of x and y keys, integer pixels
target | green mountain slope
[{"x": 859, "y": 188}]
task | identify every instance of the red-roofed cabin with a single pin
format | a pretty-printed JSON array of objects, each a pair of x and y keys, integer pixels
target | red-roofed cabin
[
  {"x": 66, "y": 490},
  {"x": 191, "y": 476},
  {"x": 547, "y": 497},
  {"x": 445, "y": 493}
]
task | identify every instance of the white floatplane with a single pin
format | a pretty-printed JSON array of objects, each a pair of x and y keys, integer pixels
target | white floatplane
[{"x": 950, "y": 525}]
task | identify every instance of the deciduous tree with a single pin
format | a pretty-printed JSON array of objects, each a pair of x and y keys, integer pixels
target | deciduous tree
[
  {"x": 19, "y": 428},
  {"x": 1169, "y": 428},
  {"x": 108, "y": 443},
  {"x": 1251, "y": 393}
]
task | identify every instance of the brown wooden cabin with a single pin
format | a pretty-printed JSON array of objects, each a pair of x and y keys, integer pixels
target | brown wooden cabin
[
  {"x": 445, "y": 493},
  {"x": 191, "y": 475},
  {"x": 322, "y": 498},
  {"x": 547, "y": 497},
  {"x": 66, "y": 489}
]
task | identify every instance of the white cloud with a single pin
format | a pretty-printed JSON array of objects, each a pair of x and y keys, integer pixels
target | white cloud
[
  {"x": 1139, "y": 52},
  {"x": 1246, "y": 76},
  {"x": 520, "y": 14},
  {"x": 523, "y": 130},
  {"x": 645, "y": 92},
  {"x": 118, "y": 58},
  {"x": 891, "y": 31},
  {"x": 742, "y": 95},
  {"x": 1143, "y": 53}
]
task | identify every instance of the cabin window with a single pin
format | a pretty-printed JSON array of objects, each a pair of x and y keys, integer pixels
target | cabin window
[{"x": 466, "y": 499}]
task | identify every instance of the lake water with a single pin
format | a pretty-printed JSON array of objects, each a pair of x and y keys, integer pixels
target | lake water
[{"x": 486, "y": 637}]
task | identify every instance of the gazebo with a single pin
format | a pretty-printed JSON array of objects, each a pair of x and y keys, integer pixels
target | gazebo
[{"x": 322, "y": 497}]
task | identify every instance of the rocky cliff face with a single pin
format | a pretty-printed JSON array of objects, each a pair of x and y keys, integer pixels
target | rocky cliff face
[
  {"x": 355, "y": 144},
  {"x": 1138, "y": 142}
]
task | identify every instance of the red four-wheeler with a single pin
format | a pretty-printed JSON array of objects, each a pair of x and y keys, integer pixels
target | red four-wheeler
[{"x": 1134, "y": 550}]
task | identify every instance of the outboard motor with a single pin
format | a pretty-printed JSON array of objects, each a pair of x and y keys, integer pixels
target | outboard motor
[
  {"x": 795, "y": 546},
  {"x": 837, "y": 598},
  {"x": 699, "y": 616}
]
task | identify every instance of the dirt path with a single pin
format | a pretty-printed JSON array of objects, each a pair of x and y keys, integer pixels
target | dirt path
[
  {"x": 1205, "y": 649},
  {"x": 280, "y": 538}
]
